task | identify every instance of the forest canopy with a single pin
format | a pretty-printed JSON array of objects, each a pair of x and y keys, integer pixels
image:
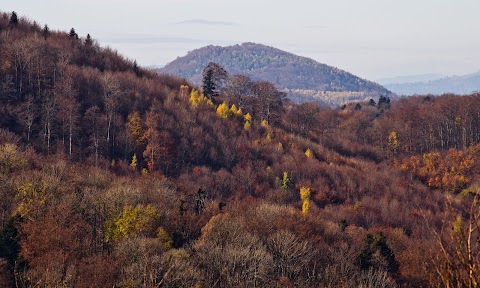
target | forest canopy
[{"x": 114, "y": 175}]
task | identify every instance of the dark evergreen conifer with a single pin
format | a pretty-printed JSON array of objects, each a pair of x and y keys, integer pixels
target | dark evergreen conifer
[
  {"x": 383, "y": 100},
  {"x": 136, "y": 69},
  {"x": 214, "y": 76},
  {"x": 14, "y": 18},
  {"x": 73, "y": 34},
  {"x": 45, "y": 32},
  {"x": 209, "y": 89},
  {"x": 88, "y": 40}
]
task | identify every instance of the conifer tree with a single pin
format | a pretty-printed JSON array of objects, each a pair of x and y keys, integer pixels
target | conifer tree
[
  {"x": 88, "y": 40},
  {"x": 209, "y": 88},
  {"x": 214, "y": 77},
  {"x": 14, "y": 18},
  {"x": 136, "y": 69},
  {"x": 377, "y": 247},
  {"x": 73, "y": 34},
  {"x": 383, "y": 101},
  {"x": 45, "y": 32}
]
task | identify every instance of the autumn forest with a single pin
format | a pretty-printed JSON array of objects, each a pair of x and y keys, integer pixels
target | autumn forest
[{"x": 112, "y": 175}]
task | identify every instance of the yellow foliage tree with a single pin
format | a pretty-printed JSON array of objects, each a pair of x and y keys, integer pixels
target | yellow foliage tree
[
  {"x": 184, "y": 91},
  {"x": 137, "y": 127},
  {"x": 306, "y": 206},
  {"x": 305, "y": 196},
  {"x": 10, "y": 158},
  {"x": 458, "y": 225},
  {"x": 197, "y": 99},
  {"x": 223, "y": 111},
  {"x": 268, "y": 137},
  {"x": 130, "y": 222},
  {"x": 235, "y": 111},
  {"x": 309, "y": 153},
  {"x": 248, "y": 117},
  {"x": 29, "y": 196},
  {"x": 165, "y": 238},
  {"x": 279, "y": 147},
  {"x": 285, "y": 181},
  {"x": 134, "y": 162},
  {"x": 304, "y": 193},
  {"x": 452, "y": 171},
  {"x": 393, "y": 141},
  {"x": 248, "y": 121}
]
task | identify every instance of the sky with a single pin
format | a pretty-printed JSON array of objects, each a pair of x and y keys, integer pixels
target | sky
[{"x": 373, "y": 39}]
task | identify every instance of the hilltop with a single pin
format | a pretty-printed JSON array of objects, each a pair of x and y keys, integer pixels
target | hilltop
[{"x": 304, "y": 79}]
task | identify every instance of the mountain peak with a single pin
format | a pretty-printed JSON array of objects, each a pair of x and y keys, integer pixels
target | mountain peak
[
  {"x": 303, "y": 78},
  {"x": 256, "y": 45}
]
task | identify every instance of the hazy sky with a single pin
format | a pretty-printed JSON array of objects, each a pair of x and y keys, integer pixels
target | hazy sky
[{"x": 370, "y": 38}]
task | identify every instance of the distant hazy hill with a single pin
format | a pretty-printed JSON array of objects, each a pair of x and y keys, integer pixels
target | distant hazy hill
[
  {"x": 304, "y": 79},
  {"x": 456, "y": 84},
  {"x": 410, "y": 79}
]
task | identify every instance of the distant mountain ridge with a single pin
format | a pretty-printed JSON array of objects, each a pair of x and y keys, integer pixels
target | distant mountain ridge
[
  {"x": 461, "y": 85},
  {"x": 410, "y": 78},
  {"x": 303, "y": 78}
]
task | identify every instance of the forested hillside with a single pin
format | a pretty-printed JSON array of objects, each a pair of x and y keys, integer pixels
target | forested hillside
[
  {"x": 114, "y": 176},
  {"x": 302, "y": 78}
]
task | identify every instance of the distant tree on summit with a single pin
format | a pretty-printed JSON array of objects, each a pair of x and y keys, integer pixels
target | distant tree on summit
[
  {"x": 136, "y": 69},
  {"x": 14, "y": 18},
  {"x": 214, "y": 77},
  {"x": 73, "y": 34},
  {"x": 88, "y": 40},
  {"x": 45, "y": 32}
]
